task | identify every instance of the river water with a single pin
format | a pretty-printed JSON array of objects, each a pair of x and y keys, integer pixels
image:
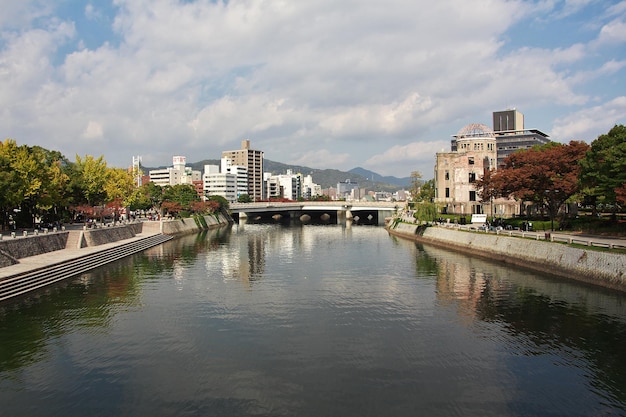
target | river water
[{"x": 268, "y": 320}]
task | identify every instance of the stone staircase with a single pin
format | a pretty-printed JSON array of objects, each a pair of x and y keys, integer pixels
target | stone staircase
[{"x": 23, "y": 283}]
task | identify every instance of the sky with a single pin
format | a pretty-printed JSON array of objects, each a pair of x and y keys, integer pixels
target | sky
[{"x": 381, "y": 85}]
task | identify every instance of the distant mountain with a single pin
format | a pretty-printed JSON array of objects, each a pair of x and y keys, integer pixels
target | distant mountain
[
  {"x": 330, "y": 177},
  {"x": 400, "y": 182},
  {"x": 325, "y": 177}
]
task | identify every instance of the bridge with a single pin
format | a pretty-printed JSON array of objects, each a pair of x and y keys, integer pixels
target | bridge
[{"x": 334, "y": 212}]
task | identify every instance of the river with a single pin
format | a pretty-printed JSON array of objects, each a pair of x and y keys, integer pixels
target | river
[{"x": 268, "y": 320}]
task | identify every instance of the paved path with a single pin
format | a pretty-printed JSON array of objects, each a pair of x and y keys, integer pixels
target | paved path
[
  {"x": 32, "y": 263},
  {"x": 608, "y": 240}
]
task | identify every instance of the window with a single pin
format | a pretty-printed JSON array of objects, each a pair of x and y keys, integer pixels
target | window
[
  {"x": 447, "y": 192},
  {"x": 477, "y": 209},
  {"x": 470, "y": 160},
  {"x": 472, "y": 195},
  {"x": 447, "y": 175},
  {"x": 472, "y": 177}
]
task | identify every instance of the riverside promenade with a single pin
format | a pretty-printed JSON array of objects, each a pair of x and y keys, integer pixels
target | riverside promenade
[
  {"x": 42, "y": 260},
  {"x": 33, "y": 263}
]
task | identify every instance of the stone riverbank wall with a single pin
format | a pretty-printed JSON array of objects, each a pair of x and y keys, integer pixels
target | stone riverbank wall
[
  {"x": 595, "y": 267},
  {"x": 190, "y": 225},
  {"x": 13, "y": 249}
]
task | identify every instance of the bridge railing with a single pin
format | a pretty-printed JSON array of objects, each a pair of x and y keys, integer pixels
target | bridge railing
[{"x": 299, "y": 204}]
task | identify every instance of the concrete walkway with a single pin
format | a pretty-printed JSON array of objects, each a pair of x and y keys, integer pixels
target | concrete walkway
[
  {"x": 32, "y": 263},
  {"x": 608, "y": 240}
]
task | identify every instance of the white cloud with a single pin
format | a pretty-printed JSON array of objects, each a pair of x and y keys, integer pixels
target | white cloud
[
  {"x": 308, "y": 82},
  {"x": 613, "y": 32},
  {"x": 93, "y": 130},
  {"x": 20, "y": 14},
  {"x": 590, "y": 123},
  {"x": 414, "y": 156}
]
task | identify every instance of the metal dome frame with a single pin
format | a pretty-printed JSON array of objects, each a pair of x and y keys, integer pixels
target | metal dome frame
[{"x": 475, "y": 130}]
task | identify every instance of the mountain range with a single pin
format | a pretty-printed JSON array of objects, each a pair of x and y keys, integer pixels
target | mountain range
[{"x": 326, "y": 178}]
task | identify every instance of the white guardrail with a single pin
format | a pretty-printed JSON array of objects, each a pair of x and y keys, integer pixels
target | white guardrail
[{"x": 545, "y": 235}]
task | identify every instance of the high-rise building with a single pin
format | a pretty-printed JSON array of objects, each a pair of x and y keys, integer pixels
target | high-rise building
[
  {"x": 253, "y": 161},
  {"x": 507, "y": 120},
  {"x": 511, "y": 136}
]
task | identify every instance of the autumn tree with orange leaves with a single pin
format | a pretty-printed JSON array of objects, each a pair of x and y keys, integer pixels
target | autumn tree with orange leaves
[{"x": 545, "y": 175}]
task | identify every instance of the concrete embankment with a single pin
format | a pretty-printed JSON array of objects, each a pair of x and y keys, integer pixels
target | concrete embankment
[
  {"x": 190, "y": 225},
  {"x": 37, "y": 261},
  {"x": 595, "y": 267},
  {"x": 14, "y": 249}
]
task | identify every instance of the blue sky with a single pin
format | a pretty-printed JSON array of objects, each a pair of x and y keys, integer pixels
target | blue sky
[{"x": 325, "y": 84}]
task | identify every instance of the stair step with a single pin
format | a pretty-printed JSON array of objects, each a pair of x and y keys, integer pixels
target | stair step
[{"x": 24, "y": 283}]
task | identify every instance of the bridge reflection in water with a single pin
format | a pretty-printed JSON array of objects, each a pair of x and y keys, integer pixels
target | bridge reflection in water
[{"x": 330, "y": 212}]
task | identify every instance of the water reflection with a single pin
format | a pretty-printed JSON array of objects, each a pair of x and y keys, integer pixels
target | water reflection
[
  {"x": 312, "y": 320},
  {"x": 90, "y": 300},
  {"x": 586, "y": 323}
]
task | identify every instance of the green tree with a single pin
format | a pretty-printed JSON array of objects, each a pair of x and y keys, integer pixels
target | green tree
[
  {"x": 155, "y": 194},
  {"x": 603, "y": 174},
  {"x": 425, "y": 211},
  {"x": 222, "y": 203},
  {"x": 426, "y": 192},
  {"x": 416, "y": 184},
  {"x": 32, "y": 182},
  {"x": 183, "y": 194},
  {"x": 120, "y": 189},
  {"x": 10, "y": 182},
  {"x": 50, "y": 202},
  {"x": 88, "y": 178},
  {"x": 244, "y": 198}
]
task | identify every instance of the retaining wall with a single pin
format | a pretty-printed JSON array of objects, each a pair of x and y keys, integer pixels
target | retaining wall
[
  {"x": 189, "y": 225},
  {"x": 103, "y": 235},
  {"x": 595, "y": 267},
  {"x": 13, "y": 249}
]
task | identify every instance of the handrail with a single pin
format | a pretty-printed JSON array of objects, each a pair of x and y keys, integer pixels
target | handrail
[{"x": 547, "y": 236}]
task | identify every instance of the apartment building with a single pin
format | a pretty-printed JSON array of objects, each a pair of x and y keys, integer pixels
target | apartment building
[
  {"x": 177, "y": 174},
  {"x": 219, "y": 183},
  {"x": 253, "y": 161}
]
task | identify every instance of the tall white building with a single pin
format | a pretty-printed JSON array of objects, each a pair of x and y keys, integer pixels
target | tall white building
[
  {"x": 177, "y": 174},
  {"x": 287, "y": 185},
  {"x": 240, "y": 172},
  {"x": 309, "y": 188},
  {"x": 226, "y": 180},
  {"x": 219, "y": 183}
]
